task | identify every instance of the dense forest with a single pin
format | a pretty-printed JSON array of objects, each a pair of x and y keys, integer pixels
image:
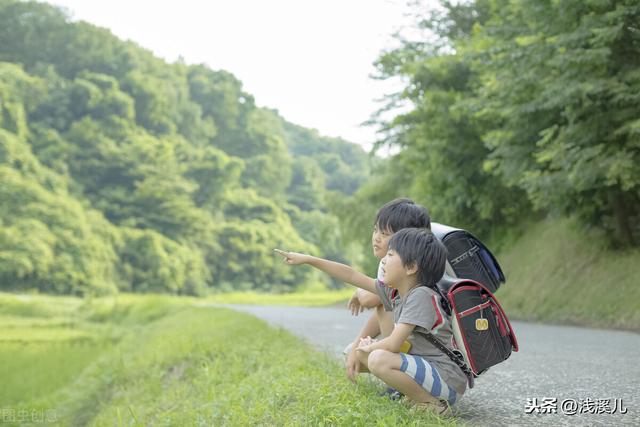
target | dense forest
[
  {"x": 119, "y": 171},
  {"x": 122, "y": 172},
  {"x": 517, "y": 110}
]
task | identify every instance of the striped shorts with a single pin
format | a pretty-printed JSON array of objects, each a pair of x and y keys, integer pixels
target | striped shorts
[{"x": 427, "y": 377}]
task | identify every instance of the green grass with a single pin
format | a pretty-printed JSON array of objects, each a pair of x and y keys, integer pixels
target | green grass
[
  {"x": 300, "y": 299},
  {"x": 149, "y": 360},
  {"x": 559, "y": 273},
  {"x": 33, "y": 370},
  {"x": 46, "y": 341},
  {"x": 34, "y": 305}
]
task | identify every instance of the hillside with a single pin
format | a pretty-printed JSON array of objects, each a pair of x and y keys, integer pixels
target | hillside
[
  {"x": 122, "y": 172},
  {"x": 558, "y": 273}
]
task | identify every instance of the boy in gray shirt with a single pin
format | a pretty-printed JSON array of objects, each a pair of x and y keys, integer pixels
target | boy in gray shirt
[{"x": 415, "y": 261}]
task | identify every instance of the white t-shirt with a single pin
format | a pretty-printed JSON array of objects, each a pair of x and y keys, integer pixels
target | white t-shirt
[{"x": 380, "y": 275}]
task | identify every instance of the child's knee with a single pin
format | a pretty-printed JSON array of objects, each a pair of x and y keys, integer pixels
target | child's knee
[{"x": 379, "y": 360}]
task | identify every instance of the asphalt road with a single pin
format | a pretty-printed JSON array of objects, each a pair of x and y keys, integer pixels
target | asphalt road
[{"x": 568, "y": 364}]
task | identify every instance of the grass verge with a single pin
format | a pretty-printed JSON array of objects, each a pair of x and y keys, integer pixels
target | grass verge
[
  {"x": 558, "y": 273},
  {"x": 300, "y": 299},
  {"x": 163, "y": 361}
]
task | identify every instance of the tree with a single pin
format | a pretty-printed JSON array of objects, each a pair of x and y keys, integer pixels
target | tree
[
  {"x": 307, "y": 186},
  {"x": 440, "y": 138},
  {"x": 561, "y": 85},
  {"x": 123, "y": 172}
]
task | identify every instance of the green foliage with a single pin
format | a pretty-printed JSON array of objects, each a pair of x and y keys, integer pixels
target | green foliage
[
  {"x": 268, "y": 167},
  {"x": 219, "y": 94},
  {"x": 325, "y": 231},
  {"x": 19, "y": 92},
  {"x": 307, "y": 184},
  {"x": 50, "y": 241},
  {"x": 123, "y": 172},
  {"x": 214, "y": 172},
  {"x": 519, "y": 107},
  {"x": 346, "y": 166},
  {"x": 153, "y": 107},
  {"x": 243, "y": 263},
  {"x": 561, "y": 86},
  {"x": 151, "y": 262},
  {"x": 441, "y": 138}
]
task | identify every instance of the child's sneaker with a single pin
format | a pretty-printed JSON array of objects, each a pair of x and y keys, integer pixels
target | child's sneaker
[
  {"x": 392, "y": 393},
  {"x": 347, "y": 349},
  {"x": 440, "y": 407}
]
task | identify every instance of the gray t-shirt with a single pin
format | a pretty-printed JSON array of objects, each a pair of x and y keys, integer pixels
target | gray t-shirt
[{"x": 421, "y": 307}]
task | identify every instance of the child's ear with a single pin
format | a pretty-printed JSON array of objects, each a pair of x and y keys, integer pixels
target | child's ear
[{"x": 411, "y": 269}]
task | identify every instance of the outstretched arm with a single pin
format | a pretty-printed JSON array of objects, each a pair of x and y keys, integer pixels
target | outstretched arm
[{"x": 334, "y": 269}]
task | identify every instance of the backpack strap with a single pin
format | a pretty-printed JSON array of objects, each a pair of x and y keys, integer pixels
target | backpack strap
[{"x": 457, "y": 359}]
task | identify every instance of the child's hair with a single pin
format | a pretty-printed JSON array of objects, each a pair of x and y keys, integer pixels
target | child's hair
[
  {"x": 402, "y": 213},
  {"x": 420, "y": 247}
]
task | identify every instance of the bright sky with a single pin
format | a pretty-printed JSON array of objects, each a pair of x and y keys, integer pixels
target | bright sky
[{"x": 309, "y": 59}]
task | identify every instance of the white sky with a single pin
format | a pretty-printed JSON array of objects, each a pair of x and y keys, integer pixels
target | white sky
[{"x": 309, "y": 59}]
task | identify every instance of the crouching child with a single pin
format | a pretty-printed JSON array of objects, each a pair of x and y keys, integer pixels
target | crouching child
[{"x": 414, "y": 263}]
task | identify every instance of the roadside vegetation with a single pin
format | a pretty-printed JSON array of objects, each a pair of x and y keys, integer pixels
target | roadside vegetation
[
  {"x": 301, "y": 299},
  {"x": 558, "y": 272},
  {"x": 149, "y": 360}
]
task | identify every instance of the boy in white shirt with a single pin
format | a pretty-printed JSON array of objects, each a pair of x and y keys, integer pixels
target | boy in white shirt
[{"x": 393, "y": 216}]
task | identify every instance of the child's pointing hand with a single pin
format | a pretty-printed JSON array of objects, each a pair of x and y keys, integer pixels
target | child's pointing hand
[{"x": 292, "y": 258}]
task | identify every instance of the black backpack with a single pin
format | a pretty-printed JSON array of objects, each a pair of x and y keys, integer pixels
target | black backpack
[
  {"x": 483, "y": 336},
  {"x": 468, "y": 257}
]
